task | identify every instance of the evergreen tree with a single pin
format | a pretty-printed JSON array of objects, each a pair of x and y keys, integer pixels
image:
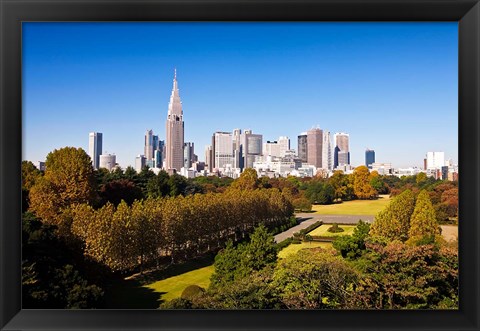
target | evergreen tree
[
  {"x": 423, "y": 222},
  {"x": 393, "y": 222}
]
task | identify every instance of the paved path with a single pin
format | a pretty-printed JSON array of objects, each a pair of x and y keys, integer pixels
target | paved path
[
  {"x": 307, "y": 219},
  {"x": 449, "y": 232}
]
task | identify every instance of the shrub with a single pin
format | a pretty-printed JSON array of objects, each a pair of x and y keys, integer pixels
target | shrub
[
  {"x": 192, "y": 291},
  {"x": 335, "y": 228}
]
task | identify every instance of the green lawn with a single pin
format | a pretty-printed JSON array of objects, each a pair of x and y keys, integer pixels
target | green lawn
[
  {"x": 294, "y": 248},
  {"x": 322, "y": 230},
  {"x": 172, "y": 287},
  {"x": 355, "y": 207}
]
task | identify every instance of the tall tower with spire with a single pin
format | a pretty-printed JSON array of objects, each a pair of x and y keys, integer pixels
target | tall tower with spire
[{"x": 174, "y": 133}]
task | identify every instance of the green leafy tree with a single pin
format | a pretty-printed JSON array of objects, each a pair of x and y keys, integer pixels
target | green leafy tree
[
  {"x": 352, "y": 247},
  {"x": 399, "y": 276},
  {"x": 314, "y": 279},
  {"x": 393, "y": 222},
  {"x": 423, "y": 222},
  {"x": 158, "y": 186}
]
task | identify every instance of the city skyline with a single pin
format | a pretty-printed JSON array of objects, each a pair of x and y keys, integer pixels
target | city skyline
[{"x": 369, "y": 128}]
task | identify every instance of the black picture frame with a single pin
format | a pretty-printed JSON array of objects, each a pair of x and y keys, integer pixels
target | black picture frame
[{"x": 14, "y": 12}]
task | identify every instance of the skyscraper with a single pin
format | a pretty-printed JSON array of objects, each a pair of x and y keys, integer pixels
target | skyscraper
[
  {"x": 341, "y": 155},
  {"x": 188, "y": 153},
  {"x": 148, "y": 149},
  {"x": 315, "y": 147},
  {"x": 302, "y": 147},
  {"x": 237, "y": 147},
  {"x": 95, "y": 148},
  {"x": 327, "y": 162},
  {"x": 252, "y": 147},
  {"x": 284, "y": 143},
  {"x": 369, "y": 157},
  {"x": 174, "y": 130},
  {"x": 222, "y": 149},
  {"x": 435, "y": 160}
]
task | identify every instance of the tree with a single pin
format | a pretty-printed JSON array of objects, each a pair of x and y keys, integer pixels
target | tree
[
  {"x": 361, "y": 183},
  {"x": 393, "y": 222},
  {"x": 118, "y": 190},
  {"x": 314, "y": 279},
  {"x": 177, "y": 184},
  {"x": 352, "y": 247},
  {"x": 158, "y": 186},
  {"x": 248, "y": 180},
  {"x": 399, "y": 276},
  {"x": 234, "y": 263},
  {"x": 30, "y": 174},
  {"x": 423, "y": 222},
  {"x": 260, "y": 251},
  {"x": 68, "y": 179},
  {"x": 320, "y": 193}
]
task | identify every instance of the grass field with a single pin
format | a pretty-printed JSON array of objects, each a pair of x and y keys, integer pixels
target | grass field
[
  {"x": 293, "y": 248},
  {"x": 172, "y": 287},
  {"x": 322, "y": 230},
  {"x": 355, "y": 207}
]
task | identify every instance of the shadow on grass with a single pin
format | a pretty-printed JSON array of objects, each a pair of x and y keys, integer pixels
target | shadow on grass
[
  {"x": 130, "y": 294},
  {"x": 175, "y": 270}
]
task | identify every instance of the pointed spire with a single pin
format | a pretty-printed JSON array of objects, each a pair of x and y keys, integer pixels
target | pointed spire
[{"x": 175, "y": 105}]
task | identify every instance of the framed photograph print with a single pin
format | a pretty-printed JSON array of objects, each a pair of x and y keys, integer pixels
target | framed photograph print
[{"x": 227, "y": 165}]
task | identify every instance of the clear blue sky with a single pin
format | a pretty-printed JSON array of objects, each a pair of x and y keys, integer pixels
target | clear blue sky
[{"x": 391, "y": 86}]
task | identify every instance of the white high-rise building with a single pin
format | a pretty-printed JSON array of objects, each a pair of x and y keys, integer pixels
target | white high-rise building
[
  {"x": 108, "y": 161},
  {"x": 140, "y": 162},
  {"x": 95, "y": 148},
  {"x": 284, "y": 143},
  {"x": 222, "y": 150},
  {"x": 175, "y": 130},
  {"x": 435, "y": 160},
  {"x": 327, "y": 162}
]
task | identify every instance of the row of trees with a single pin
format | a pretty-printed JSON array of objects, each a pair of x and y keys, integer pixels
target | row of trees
[
  {"x": 128, "y": 237},
  {"x": 407, "y": 218}
]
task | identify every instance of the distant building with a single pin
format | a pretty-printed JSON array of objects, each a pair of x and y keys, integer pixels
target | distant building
[
  {"x": 222, "y": 150},
  {"x": 435, "y": 160},
  {"x": 188, "y": 155},
  {"x": 140, "y": 162},
  {"x": 174, "y": 131},
  {"x": 95, "y": 148},
  {"x": 315, "y": 147},
  {"x": 277, "y": 148},
  {"x": 237, "y": 147},
  {"x": 251, "y": 148},
  {"x": 369, "y": 157},
  {"x": 327, "y": 161},
  {"x": 40, "y": 165},
  {"x": 445, "y": 173},
  {"x": 341, "y": 154},
  {"x": 284, "y": 145},
  {"x": 148, "y": 146},
  {"x": 209, "y": 158},
  {"x": 302, "y": 147},
  {"x": 108, "y": 161},
  {"x": 382, "y": 168}
]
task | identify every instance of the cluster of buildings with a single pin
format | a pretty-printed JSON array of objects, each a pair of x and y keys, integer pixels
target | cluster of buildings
[{"x": 231, "y": 152}]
